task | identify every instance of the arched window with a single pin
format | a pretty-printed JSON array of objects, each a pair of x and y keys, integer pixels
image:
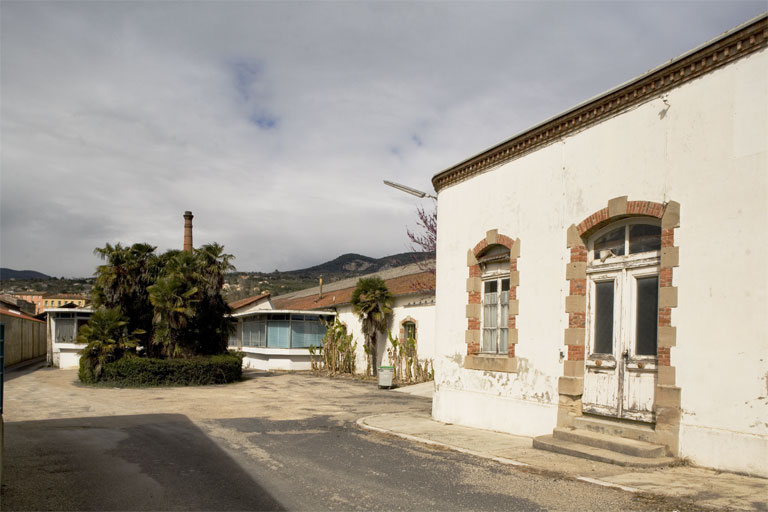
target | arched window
[{"x": 494, "y": 265}]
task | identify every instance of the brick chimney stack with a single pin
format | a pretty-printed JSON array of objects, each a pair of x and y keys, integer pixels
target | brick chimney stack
[{"x": 188, "y": 231}]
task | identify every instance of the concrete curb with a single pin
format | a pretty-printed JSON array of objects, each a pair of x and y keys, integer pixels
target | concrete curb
[
  {"x": 361, "y": 423},
  {"x": 510, "y": 462}
]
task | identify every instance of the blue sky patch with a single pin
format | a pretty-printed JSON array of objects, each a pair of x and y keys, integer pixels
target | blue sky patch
[{"x": 264, "y": 121}]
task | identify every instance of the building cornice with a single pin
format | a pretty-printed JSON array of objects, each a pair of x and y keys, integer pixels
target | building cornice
[{"x": 731, "y": 46}]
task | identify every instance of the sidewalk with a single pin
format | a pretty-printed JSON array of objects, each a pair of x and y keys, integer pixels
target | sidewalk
[{"x": 703, "y": 487}]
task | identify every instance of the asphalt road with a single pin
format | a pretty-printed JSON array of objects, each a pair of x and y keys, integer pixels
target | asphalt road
[{"x": 275, "y": 441}]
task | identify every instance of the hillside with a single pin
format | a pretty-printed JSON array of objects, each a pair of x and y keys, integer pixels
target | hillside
[
  {"x": 238, "y": 285},
  {"x": 245, "y": 284},
  {"x": 6, "y": 274},
  {"x": 356, "y": 264}
]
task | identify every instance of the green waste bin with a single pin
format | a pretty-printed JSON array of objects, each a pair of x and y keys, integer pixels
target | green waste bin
[{"x": 385, "y": 376}]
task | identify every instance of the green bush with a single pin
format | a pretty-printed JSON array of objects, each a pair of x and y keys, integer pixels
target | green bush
[{"x": 195, "y": 371}]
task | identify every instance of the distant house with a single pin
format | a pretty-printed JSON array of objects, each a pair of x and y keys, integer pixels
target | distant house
[
  {"x": 57, "y": 300},
  {"x": 35, "y": 299},
  {"x": 275, "y": 333},
  {"x": 603, "y": 273},
  {"x": 12, "y": 301}
]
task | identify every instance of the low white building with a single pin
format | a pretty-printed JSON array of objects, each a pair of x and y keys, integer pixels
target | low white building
[
  {"x": 413, "y": 315},
  {"x": 276, "y": 339},
  {"x": 63, "y": 325},
  {"x": 609, "y": 265}
]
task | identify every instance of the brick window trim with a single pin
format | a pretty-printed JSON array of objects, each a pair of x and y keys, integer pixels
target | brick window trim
[
  {"x": 475, "y": 359},
  {"x": 404, "y": 321},
  {"x": 618, "y": 209}
]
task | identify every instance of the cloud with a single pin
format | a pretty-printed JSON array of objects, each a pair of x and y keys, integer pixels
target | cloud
[{"x": 275, "y": 122}]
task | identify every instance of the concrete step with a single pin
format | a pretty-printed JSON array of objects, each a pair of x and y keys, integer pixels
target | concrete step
[
  {"x": 612, "y": 443},
  {"x": 616, "y": 428},
  {"x": 553, "y": 444}
]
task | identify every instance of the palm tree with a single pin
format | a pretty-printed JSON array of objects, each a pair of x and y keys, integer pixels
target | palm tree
[
  {"x": 214, "y": 263},
  {"x": 372, "y": 302},
  {"x": 107, "y": 339},
  {"x": 174, "y": 297},
  {"x": 122, "y": 283}
]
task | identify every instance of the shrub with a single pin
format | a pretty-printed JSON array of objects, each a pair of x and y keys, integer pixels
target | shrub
[
  {"x": 337, "y": 355},
  {"x": 141, "y": 371}
]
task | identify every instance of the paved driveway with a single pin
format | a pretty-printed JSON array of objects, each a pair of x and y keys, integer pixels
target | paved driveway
[{"x": 273, "y": 441}]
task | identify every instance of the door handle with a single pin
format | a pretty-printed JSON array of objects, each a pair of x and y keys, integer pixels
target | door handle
[{"x": 625, "y": 354}]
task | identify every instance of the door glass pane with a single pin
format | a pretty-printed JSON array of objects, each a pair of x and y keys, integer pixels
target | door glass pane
[
  {"x": 644, "y": 238},
  {"x": 647, "y": 315},
  {"x": 604, "y": 317},
  {"x": 612, "y": 241}
]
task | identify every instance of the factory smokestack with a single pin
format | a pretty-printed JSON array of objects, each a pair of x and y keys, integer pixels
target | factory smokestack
[{"x": 188, "y": 231}]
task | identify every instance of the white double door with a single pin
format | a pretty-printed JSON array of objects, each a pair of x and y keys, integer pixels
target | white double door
[{"x": 621, "y": 324}]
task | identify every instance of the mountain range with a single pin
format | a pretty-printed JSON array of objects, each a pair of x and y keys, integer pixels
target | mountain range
[{"x": 8, "y": 273}]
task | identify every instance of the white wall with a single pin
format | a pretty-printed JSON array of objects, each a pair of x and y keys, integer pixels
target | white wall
[
  {"x": 423, "y": 314},
  {"x": 707, "y": 152},
  {"x": 268, "y": 359}
]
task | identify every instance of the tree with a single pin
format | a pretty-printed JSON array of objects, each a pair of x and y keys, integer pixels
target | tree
[
  {"x": 107, "y": 339},
  {"x": 424, "y": 238},
  {"x": 212, "y": 326},
  {"x": 424, "y": 241},
  {"x": 174, "y": 300},
  {"x": 372, "y": 302},
  {"x": 174, "y": 297},
  {"x": 122, "y": 283}
]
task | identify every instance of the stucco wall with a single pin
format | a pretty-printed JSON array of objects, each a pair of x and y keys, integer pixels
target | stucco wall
[
  {"x": 424, "y": 315},
  {"x": 706, "y": 151}
]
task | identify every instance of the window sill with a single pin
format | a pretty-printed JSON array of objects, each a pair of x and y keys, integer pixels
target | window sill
[
  {"x": 491, "y": 363},
  {"x": 272, "y": 350}
]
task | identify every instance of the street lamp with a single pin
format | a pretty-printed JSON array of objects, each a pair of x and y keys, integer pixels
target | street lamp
[{"x": 409, "y": 190}]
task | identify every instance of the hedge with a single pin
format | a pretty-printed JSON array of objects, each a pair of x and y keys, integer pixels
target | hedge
[{"x": 196, "y": 371}]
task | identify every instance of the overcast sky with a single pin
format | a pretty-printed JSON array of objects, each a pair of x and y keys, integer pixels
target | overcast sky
[{"x": 275, "y": 123}]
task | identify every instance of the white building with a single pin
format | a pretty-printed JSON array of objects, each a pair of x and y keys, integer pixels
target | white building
[
  {"x": 63, "y": 325},
  {"x": 275, "y": 333},
  {"x": 606, "y": 269}
]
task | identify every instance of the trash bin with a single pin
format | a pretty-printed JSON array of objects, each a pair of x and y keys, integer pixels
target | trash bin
[{"x": 385, "y": 376}]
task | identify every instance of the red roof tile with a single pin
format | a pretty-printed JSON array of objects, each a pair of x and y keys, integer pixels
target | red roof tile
[
  {"x": 13, "y": 314},
  {"x": 420, "y": 283},
  {"x": 248, "y": 300}
]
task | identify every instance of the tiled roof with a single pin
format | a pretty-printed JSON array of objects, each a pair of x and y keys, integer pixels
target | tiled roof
[
  {"x": 14, "y": 314},
  {"x": 410, "y": 284},
  {"x": 248, "y": 300}
]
